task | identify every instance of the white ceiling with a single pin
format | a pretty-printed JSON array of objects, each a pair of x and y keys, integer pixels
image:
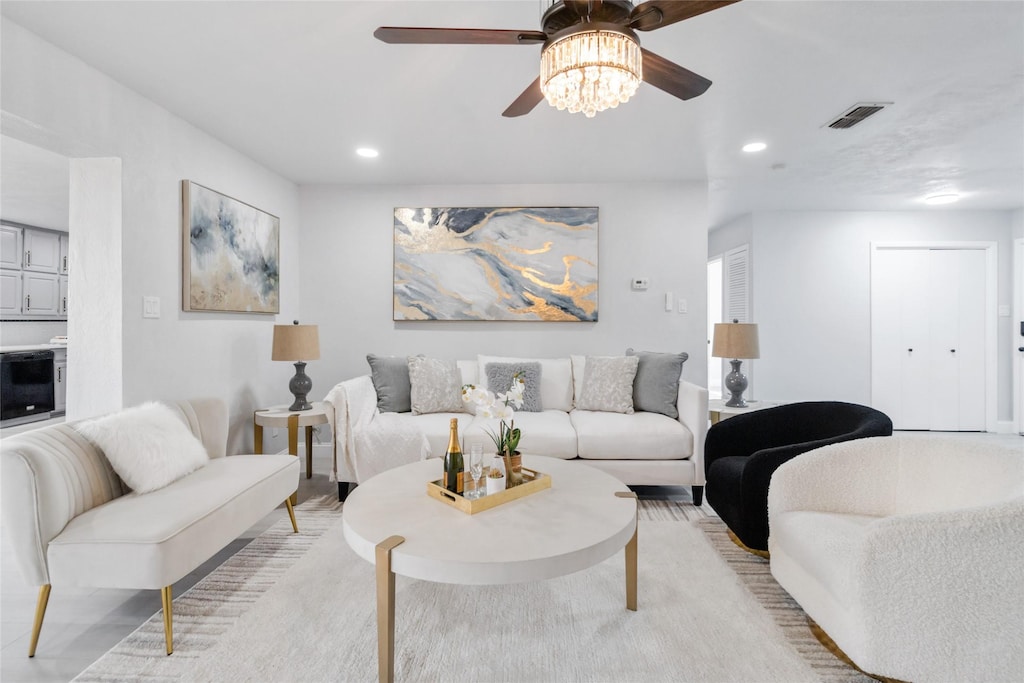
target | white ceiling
[{"x": 299, "y": 85}]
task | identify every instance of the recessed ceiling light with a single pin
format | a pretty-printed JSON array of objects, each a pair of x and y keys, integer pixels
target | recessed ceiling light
[
  {"x": 367, "y": 152},
  {"x": 755, "y": 147},
  {"x": 948, "y": 198}
]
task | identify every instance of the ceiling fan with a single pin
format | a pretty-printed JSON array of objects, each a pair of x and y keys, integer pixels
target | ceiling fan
[{"x": 591, "y": 57}]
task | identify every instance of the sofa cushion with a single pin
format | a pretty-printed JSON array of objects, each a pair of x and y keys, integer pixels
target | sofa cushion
[
  {"x": 640, "y": 436},
  {"x": 149, "y": 446},
  {"x": 499, "y": 379},
  {"x": 656, "y": 387},
  {"x": 435, "y": 427},
  {"x": 608, "y": 384},
  {"x": 152, "y": 540},
  {"x": 555, "y": 379},
  {"x": 436, "y": 386},
  {"x": 549, "y": 432},
  {"x": 390, "y": 376}
]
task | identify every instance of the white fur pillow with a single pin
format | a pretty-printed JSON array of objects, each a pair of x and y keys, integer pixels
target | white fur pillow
[{"x": 148, "y": 446}]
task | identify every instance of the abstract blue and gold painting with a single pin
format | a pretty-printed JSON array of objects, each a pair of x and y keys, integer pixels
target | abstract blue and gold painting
[
  {"x": 535, "y": 264},
  {"x": 229, "y": 253}
]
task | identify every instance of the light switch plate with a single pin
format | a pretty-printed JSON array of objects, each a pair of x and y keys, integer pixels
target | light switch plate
[
  {"x": 150, "y": 307},
  {"x": 683, "y": 308}
]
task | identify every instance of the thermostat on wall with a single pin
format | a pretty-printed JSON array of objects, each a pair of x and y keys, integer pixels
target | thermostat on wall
[{"x": 641, "y": 283}]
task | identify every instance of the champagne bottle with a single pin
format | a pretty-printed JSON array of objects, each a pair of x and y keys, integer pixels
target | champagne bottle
[{"x": 453, "y": 462}]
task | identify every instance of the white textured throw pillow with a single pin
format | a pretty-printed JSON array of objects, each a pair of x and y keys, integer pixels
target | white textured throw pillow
[
  {"x": 148, "y": 446},
  {"x": 436, "y": 386},
  {"x": 608, "y": 384}
]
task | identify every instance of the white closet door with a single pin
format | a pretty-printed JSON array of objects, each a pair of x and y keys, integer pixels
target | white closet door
[{"x": 944, "y": 302}]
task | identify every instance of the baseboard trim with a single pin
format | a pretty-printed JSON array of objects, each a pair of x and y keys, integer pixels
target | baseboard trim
[{"x": 1007, "y": 427}]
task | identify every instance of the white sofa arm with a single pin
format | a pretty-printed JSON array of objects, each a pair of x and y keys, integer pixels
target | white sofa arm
[
  {"x": 352, "y": 405},
  {"x": 925, "y": 568},
  {"x": 693, "y": 413}
]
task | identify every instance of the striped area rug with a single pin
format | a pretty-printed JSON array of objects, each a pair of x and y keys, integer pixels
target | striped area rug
[{"x": 755, "y": 574}]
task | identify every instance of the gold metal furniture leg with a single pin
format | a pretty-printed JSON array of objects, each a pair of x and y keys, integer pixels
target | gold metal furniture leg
[
  {"x": 386, "y": 609},
  {"x": 293, "y": 444},
  {"x": 257, "y": 436},
  {"x": 631, "y": 560},
  {"x": 165, "y": 598},
  {"x": 291, "y": 514},
  {"x": 37, "y": 625}
]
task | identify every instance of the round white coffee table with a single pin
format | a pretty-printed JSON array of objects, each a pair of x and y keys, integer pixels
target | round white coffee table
[{"x": 583, "y": 519}]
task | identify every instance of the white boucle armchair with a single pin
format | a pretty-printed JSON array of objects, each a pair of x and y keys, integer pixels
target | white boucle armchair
[{"x": 907, "y": 552}]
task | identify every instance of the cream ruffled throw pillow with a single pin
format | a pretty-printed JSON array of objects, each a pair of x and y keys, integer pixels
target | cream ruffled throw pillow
[{"x": 148, "y": 446}]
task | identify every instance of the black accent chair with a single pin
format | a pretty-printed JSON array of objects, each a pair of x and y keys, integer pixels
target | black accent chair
[{"x": 742, "y": 452}]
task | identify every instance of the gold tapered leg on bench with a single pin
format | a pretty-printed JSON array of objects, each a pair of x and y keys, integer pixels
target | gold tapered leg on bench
[
  {"x": 165, "y": 598},
  {"x": 37, "y": 625},
  {"x": 291, "y": 514}
]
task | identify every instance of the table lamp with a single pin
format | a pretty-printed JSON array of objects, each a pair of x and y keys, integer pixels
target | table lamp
[
  {"x": 298, "y": 343},
  {"x": 735, "y": 340}
]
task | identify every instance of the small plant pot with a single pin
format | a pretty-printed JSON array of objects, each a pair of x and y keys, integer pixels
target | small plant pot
[{"x": 495, "y": 484}]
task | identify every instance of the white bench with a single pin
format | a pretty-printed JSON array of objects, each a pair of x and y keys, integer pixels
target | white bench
[{"x": 72, "y": 521}]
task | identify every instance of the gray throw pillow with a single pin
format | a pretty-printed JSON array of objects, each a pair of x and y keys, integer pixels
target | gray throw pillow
[
  {"x": 656, "y": 387},
  {"x": 608, "y": 384},
  {"x": 436, "y": 386},
  {"x": 390, "y": 375},
  {"x": 499, "y": 379}
]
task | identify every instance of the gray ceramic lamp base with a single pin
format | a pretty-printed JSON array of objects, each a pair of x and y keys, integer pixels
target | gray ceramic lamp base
[
  {"x": 300, "y": 386},
  {"x": 736, "y": 383}
]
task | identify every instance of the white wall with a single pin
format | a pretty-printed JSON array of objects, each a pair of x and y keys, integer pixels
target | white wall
[
  {"x": 812, "y": 295},
  {"x": 55, "y": 101},
  {"x": 656, "y": 231}
]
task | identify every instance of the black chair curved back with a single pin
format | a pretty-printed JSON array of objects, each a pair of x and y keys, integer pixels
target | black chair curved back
[{"x": 741, "y": 454}]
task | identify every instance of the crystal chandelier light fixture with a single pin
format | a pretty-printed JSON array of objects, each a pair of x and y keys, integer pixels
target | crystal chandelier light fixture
[{"x": 590, "y": 71}]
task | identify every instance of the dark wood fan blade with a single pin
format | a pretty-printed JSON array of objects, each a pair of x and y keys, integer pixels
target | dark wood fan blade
[
  {"x": 653, "y": 14},
  {"x": 525, "y": 103},
  {"x": 458, "y": 36},
  {"x": 672, "y": 78}
]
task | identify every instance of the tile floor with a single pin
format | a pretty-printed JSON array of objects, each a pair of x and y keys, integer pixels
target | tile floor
[{"x": 82, "y": 624}]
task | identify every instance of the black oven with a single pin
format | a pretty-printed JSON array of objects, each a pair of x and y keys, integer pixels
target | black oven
[{"x": 26, "y": 384}]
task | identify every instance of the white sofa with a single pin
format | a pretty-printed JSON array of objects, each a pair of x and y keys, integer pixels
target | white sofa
[
  {"x": 71, "y": 521},
  {"x": 907, "y": 551},
  {"x": 643, "y": 448}
]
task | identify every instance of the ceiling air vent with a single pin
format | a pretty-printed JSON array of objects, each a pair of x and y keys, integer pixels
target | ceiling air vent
[{"x": 857, "y": 113}]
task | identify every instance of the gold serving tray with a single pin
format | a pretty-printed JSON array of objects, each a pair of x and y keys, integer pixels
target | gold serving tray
[{"x": 533, "y": 481}]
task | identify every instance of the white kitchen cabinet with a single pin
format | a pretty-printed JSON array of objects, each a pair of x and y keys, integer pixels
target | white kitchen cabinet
[
  {"x": 64, "y": 244},
  {"x": 41, "y": 251},
  {"x": 10, "y": 292},
  {"x": 63, "y": 293},
  {"x": 60, "y": 380},
  {"x": 40, "y": 294},
  {"x": 10, "y": 246}
]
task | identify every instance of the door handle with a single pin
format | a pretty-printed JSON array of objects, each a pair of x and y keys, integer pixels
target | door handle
[
  {"x": 28, "y": 257},
  {"x": 952, "y": 350}
]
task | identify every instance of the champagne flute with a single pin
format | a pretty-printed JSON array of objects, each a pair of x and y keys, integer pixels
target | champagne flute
[{"x": 476, "y": 468}]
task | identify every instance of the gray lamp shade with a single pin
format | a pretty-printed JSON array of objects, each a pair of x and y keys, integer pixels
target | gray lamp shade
[{"x": 735, "y": 340}]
